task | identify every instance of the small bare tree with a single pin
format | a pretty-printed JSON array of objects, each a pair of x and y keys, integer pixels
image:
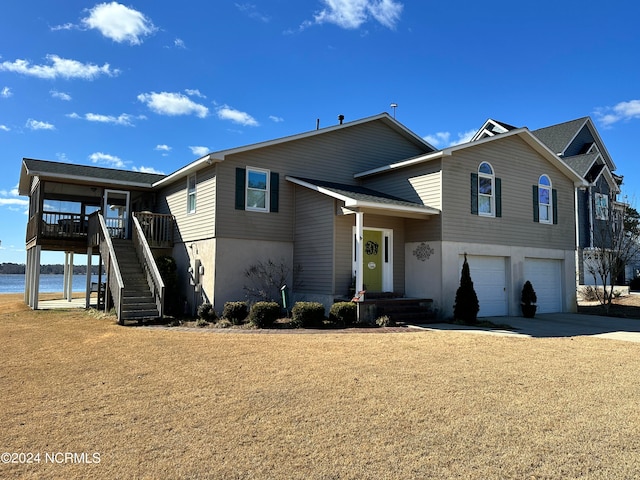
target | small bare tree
[
  {"x": 267, "y": 278},
  {"x": 617, "y": 242}
]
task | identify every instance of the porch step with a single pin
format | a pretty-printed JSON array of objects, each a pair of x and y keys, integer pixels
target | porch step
[{"x": 400, "y": 310}]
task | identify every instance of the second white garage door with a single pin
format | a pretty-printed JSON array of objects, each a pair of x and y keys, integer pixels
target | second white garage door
[
  {"x": 546, "y": 277},
  {"x": 490, "y": 283}
]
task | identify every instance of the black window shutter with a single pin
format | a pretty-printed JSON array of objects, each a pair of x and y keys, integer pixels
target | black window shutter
[
  {"x": 554, "y": 196},
  {"x": 536, "y": 207},
  {"x": 498, "y": 197},
  {"x": 240, "y": 186},
  {"x": 474, "y": 193},
  {"x": 275, "y": 192}
]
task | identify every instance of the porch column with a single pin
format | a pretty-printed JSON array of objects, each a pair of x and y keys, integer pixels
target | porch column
[
  {"x": 359, "y": 236},
  {"x": 34, "y": 277},
  {"x": 68, "y": 275},
  {"x": 88, "y": 286}
]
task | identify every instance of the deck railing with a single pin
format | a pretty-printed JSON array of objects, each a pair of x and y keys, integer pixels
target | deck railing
[
  {"x": 157, "y": 228},
  {"x": 63, "y": 225},
  {"x": 99, "y": 235},
  {"x": 145, "y": 257}
]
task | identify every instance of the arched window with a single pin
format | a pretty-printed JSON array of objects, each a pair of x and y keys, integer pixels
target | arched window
[
  {"x": 544, "y": 200},
  {"x": 486, "y": 190}
]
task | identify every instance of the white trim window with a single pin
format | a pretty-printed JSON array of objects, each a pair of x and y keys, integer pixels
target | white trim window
[
  {"x": 602, "y": 206},
  {"x": 486, "y": 197},
  {"x": 257, "y": 191},
  {"x": 545, "y": 207},
  {"x": 191, "y": 193}
]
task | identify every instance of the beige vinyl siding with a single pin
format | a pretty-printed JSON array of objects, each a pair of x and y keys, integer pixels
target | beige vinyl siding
[
  {"x": 333, "y": 157},
  {"x": 518, "y": 167},
  {"x": 421, "y": 183},
  {"x": 198, "y": 225},
  {"x": 313, "y": 247}
]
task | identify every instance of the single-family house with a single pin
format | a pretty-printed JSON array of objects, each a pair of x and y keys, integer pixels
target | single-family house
[{"x": 365, "y": 206}]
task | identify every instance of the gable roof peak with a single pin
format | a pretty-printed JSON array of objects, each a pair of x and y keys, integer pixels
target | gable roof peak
[{"x": 492, "y": 127}]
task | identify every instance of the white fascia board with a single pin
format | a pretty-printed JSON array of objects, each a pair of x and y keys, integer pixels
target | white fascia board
[
  {"x": 352, "y": 204},
  {"x": 601, "y": 146},
  {"x": 405, "y": 163},
  {"x": 605, "y": 172},
  {"x": 87, "y": 180},
  {"x": 185, "y": 171},
  {"x": 318, "y": 189}
]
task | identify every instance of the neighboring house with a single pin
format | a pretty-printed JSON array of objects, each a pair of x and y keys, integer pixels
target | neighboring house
[{"x": 369, "y": 206}]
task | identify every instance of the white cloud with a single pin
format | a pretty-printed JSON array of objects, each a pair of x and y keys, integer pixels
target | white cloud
[
  {"x": 123, "y": 119},
  {"x": 13, "y": 192},
  {"x": 437, "y": 139},
  {"x": 619, "y": 112},
  {"x": 66, "y": 26},
  {"x": 163, "y": 148},
  {"x": 351, "y": 14},
  {"x": 273, "y": 118},
  {"x": 13, "y": 201},
  {"x": 60, "y": 95},
  {"x": 225, "y": 112},
  {"x": 147, "y": 170},
  {"x": 6, "y": 92},
  {"x": 119, "y": 23},
  {"x": 199, "y": 151},
  {"x": 4, "y": 127},
  {"x": 59, "y": 67},
  {"x": 38, "y": 125},
  {"x": 194, "y": 92},
  {"x": 106, "y": 159},
  {"x": 443, "y": 139},
  {"x": 179, "y": 43},
  {"x": 168, "y": 103},
  {"x": 251, "y": 10}
]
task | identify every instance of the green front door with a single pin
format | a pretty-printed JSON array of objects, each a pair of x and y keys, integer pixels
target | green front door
[{"x": 372, "y": 257}]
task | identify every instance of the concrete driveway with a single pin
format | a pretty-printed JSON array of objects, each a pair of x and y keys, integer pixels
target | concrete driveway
[{"x": 550, "y": 325}]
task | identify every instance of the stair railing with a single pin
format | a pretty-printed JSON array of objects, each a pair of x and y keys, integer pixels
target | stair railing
[
  {"x": 108, "y": 253},
  {"x": 145, "y": 257}
]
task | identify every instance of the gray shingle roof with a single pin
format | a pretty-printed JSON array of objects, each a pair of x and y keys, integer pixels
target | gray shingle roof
[
  {"x": 557, "y": 137},
  {"x": 362, "y": 194},
  {"x": 99, "y": 174},
  {"x": 581, "y": 163}
]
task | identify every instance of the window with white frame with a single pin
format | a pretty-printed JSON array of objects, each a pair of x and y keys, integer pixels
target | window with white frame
[
  {"x": 486, "y": 182},
  {"x": 191, "y": 193},
  {"x": 257, "y": 192},
  {"x": 602, "y": 206},
  {"x": 545, "y": 210}
]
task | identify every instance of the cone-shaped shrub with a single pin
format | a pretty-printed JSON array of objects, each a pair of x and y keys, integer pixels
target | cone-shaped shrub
[{"x": 466, "y": 305}]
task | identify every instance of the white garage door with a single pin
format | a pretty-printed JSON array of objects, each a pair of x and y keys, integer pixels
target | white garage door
[
  {"x": 546, "y": 277},
  {"x": 490, "y": 283}
]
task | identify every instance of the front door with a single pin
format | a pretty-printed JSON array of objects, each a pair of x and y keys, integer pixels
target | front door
[
  {"x": 373, "y": 259},
  {"x": 116, "y": 212}
]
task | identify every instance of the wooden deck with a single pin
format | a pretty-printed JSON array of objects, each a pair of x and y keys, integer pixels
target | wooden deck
[{"x": 61, "y": 303}]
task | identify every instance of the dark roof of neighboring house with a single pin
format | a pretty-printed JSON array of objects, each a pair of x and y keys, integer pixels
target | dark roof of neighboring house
[
  {"x": 581, "y": 163},
  {"x": 557, "y": 137},
  {"x": 84, "y": 174},
  {"x": 361, "y": 194}
]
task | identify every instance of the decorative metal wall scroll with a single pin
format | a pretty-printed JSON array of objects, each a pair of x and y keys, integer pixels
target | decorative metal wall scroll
[{"x": 423, "y": 252}]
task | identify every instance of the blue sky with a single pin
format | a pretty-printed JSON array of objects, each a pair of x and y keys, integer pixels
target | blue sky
[{"x": 152, "y": 85}]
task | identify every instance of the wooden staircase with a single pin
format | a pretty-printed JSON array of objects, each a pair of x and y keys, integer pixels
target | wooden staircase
[{"x": 138, "y": 302}]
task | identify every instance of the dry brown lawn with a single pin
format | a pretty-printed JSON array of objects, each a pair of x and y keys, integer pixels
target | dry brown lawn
[{"x": 170, "y": 404}]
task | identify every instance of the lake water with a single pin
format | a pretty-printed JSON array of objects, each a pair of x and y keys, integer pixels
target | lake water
[{"x": 48, "y": 283}]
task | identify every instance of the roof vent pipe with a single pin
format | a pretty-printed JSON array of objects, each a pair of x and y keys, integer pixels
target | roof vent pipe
[
  {"x": 341, "y": 118},
  {"x": 317, "y": 124}
]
